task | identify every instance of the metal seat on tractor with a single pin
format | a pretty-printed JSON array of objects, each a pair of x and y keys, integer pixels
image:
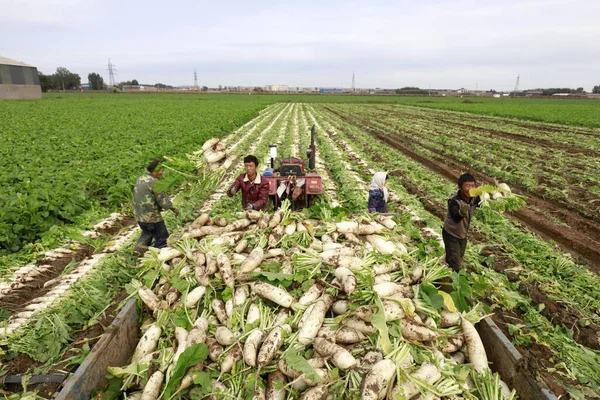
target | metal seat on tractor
[{"x": 292, "y": 181}]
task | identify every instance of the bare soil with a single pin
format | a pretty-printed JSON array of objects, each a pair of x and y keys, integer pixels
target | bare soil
[{"x": 23, "y": 364}]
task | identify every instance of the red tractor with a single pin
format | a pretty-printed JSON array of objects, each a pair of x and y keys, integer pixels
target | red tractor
[{"x": 292, "y": 181}]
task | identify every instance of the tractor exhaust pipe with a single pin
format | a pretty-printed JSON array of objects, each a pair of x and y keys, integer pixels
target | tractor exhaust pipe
[{"x": 311, "y": 152}]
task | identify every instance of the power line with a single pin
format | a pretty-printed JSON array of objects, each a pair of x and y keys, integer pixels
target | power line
[
  {"x": 195, "y": 80},
  {"x": 112, "y": 70},
  {"x": 517, "y": 85}
]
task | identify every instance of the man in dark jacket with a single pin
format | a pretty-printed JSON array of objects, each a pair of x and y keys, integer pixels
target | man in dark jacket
[
  {"x": 255, "y": 190},
  {"x": 456, "y": 225},
  {"x": 147, "y": 205}
]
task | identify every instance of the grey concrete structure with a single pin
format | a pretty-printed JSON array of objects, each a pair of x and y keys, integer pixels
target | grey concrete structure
[{"x": 18, "y": 81}]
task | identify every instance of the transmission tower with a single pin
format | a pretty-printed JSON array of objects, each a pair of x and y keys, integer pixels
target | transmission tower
[
  {"x": 517, "y": 85},
  {"x": 195, "y": 80},
  {"x": 112, "y": 70},
  {"x": 353, "y": 86}
]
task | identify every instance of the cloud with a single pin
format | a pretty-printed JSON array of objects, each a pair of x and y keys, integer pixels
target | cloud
[{"x": 388, "y": 43}]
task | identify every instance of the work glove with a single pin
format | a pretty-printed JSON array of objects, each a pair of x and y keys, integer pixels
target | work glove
[
  {"x": 176, "y": 212},
  {"x": 250, "y": 207},
  {"x": 464, "y": 208},
  {"x": 231, "y": 192}
]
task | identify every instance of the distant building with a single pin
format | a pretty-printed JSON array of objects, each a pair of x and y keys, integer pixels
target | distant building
[
  {"x": 277, "y": 88},
  {"x": 18, "y": 81},
  {"x": 330, "y": 90}
]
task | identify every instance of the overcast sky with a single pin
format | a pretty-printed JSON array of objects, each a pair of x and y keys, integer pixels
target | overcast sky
[{"x": 389, "y": 44}]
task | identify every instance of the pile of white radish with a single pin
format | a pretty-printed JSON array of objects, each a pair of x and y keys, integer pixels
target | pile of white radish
[
  {"x": 344, "y": 317},
  {"x": 215, "y": 154}
]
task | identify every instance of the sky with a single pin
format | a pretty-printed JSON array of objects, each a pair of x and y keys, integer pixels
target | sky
[{"x": 387, "y": 44}]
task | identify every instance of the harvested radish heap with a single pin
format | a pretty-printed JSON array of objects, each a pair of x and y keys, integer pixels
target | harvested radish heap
[{"x": 252, "y": 308}]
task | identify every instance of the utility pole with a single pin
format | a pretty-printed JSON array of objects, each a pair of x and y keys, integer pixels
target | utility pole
[
  {"x": 353, "y": 86},
  {"x": 517, "y": 85},
  {"x": 112, "y": 70},
  {"x": 195, "y": 80}
]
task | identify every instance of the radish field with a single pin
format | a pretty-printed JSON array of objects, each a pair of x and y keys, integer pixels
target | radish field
[{"x": 67, "y": 266}]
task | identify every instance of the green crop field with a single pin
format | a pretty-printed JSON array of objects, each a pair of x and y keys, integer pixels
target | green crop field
[{"x": 70, "y": 160}]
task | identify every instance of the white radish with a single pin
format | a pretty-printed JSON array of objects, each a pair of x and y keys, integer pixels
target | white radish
[
  {"x": 194, "y": 296},
  {"x": 360, "y": 326},
  {"x": 313, "y": 320},
  {"x": 253, "y": 314},
  {"x": 346, "y": 335},
  {"x": 238, "y": 225},
  {"x": 381, "y": 245},
  {"x": 152, "y": 388},
  {"x": 386, "y": 289},
  {"x": 241, "y": 246},
  {"x": 251, "y": 347},
  {"x": 340, "y": 307},
  {"x": 181, "y": 335},
  {"x": 346, "y": 279},
  {"x": 375, "y": 384},
  {"x": 275, "y": 219},
  {"x": 149, "y": 298},
  {"x": 504, "y": 187},
  {"x": 449, "y": 319},
  {"x": 339, "y": 356},
  {"x": 427, "y": 372},
  {"x": 311, "y": 294},
  {"x": 219, "y": 309},
  {"x": 224, "y": 336},
  {"x": 415, "y": 332},
  {"x": 209, "y": 144},
  {"x": 198, "y": 332},
  {"x": 147, "y": 343},
  {"x": 167, "y": 253},
  {"x": 275, "y": 294},
  {"x": 200, "y": 221},
  {"x": 240, "y": 296},
  {"x": 214, "y": 349},
  {"x": 475, "y": 349},
  {"x": 290, "y": 229},
  {"x": 317, "y": 393},
  {"x": 270, "y": 345},
  {"x": 253, "y": 261},
  {"x": 234, "y": 355},
  {"x": 275, "y": 386},
  {"x": 225, "y": 269}
]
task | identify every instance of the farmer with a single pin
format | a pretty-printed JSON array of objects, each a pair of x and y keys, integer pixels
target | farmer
[
  {"x": 456, "y": 225},
  {"x": 147, "y": 205},
  {"x": 378, "y": 193},
  {"x": 255, "y": 190}
]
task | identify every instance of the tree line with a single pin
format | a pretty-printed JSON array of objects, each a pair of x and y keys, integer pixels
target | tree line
[{"x": 63, "y": 79}]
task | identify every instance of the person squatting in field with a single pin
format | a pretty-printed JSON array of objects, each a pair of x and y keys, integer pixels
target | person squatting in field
[
  {"x": 255, "y": 190},
  {"x": 378, "y": 193},
  {"x": 461, "y": 207},
  {"x": 147, "y": 205}
]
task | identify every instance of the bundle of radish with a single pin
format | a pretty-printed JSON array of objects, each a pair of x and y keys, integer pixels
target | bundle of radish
[
  {"x": 499, "y": 197},
  {"x": 325, "y": 310}
]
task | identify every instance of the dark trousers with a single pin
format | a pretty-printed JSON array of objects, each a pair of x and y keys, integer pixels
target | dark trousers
[
  {"x": 152, "y": 230},
  {"x": 455, "y": 250}
]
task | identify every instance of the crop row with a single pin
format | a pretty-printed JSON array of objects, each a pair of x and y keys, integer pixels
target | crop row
[
  {"x": 553, "y": 174},
  {"x": 488, "y": 284}
]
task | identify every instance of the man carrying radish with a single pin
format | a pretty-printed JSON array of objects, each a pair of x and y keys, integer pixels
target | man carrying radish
[
  {"x": 147, "y": 205},
  {"x": 255, "y": 190},
  {"x": 461, "y": 207}
]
